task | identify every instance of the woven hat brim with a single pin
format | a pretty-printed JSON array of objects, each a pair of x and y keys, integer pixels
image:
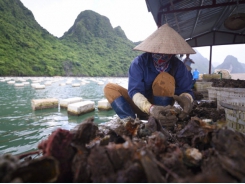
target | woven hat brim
[{"x": 165, "y": 40}]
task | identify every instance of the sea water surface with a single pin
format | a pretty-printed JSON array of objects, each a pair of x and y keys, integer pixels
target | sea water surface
[{"x": 22, "y": 129}]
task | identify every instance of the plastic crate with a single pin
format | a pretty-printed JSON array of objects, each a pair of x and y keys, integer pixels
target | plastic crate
[
  {"x": 207, "y": 77},
  {"x": 235, "y": 114},
  {"x": 204, "y": 93},
  {"x": 212, "y": 93},
  {"x": 227, "y": 94},
  {"x": 202, "y": 86}
]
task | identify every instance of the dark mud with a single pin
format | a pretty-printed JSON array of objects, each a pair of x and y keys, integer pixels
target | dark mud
[
  {"x": 207, "y": 110},
  {"x": 228, "y": 83}
]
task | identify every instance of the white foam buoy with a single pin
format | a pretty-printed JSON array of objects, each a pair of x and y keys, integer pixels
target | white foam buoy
[
  {"x": 100, "y": 82},
  {"x": 34, "y": 84},
  {"x": 11, "y": 82},
  {"x": 26, "y": 83},
  {"x": 19, "y": 84},
  {"x": 81, "y": 107},
  {"x": 76, "y": 85},
  {"x": 65, "y": 102},
  {"x": 40, "y": 86},
  {"x": 44, "y": 103},
  {"x": 48, "y": 83},
  {"x": 104, "y": 105}
]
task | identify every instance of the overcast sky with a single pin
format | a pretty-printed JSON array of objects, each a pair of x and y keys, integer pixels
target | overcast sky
[{"x": 57, "y": 16}]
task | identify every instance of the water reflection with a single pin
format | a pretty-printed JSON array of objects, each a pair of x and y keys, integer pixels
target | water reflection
[{"x": 22, "y": 128}]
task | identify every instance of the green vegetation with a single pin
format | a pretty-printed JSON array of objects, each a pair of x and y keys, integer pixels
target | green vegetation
[{"x": 91, "y": 47}]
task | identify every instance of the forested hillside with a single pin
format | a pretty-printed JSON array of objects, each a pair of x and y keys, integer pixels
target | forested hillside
[
  {"x": 101, "y": 48},
  {"x": 91, "y": 47},
  {"x": 25, "y": 47}
]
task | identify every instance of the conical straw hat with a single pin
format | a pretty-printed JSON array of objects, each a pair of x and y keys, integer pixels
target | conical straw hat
[{"x": 165, "y": 40}]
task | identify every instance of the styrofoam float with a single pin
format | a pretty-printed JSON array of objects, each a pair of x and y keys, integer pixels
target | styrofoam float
[
  {"x": 44, "y": 103},
  {"x": 65, "y": 102},
  {"x": 81, "y": 107},
  {"x": 104, "y": 105}
]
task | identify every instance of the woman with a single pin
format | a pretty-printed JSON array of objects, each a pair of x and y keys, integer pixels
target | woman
[{"x": 156, "y": 78}]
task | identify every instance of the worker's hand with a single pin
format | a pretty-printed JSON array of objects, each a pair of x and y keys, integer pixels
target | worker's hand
[
  {"x": 186, "y": 103},
  {"x": 165, "y": 115}
]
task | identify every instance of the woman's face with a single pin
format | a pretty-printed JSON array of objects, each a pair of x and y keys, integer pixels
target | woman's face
[{"x": 161, "y": 58}]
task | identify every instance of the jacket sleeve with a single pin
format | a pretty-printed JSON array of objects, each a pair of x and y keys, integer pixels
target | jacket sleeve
[{"x": 135, "y": 78}]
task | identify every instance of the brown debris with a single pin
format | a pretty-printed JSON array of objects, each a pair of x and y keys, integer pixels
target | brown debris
[
  {"x": 58, "y": 145},
  {"x": 198, "y": 95},
  {"x": 230, "y": 150},
  {"x": 197, "y": 133},
  {"x": 135, "y": 151},
  {"x": 85, "y": 132},
  {"x": 151, "y": 168},
  {"x": 44, "y": 169},
  {"x": 101, "y": 167},
  {"x": 207, "y": 110},
  {"x": 212, "y": 172},
  {"x": 80, "y": 169}
]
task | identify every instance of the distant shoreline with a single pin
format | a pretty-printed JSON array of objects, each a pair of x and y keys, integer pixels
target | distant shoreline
[
  {"x": 240, "y": 76},
  {"x": 234, "y": 76}
]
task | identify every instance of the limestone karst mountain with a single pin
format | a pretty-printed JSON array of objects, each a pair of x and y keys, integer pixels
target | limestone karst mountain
[
  {"x": 91, "y": 47},
  {"x": 232, "y": 64}
]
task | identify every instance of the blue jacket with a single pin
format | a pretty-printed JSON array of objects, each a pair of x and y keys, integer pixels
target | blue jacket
[{"x": 142, "y": 73}]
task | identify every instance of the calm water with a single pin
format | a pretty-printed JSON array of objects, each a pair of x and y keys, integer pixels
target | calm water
[{"x": 21, "y": 128}]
